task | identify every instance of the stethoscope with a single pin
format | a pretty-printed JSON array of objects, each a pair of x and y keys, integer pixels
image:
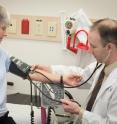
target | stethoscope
[{"x": 97, "y": 66}]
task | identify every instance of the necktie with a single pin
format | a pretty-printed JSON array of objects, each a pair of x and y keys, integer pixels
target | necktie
[{"x": 95, "y": 91}]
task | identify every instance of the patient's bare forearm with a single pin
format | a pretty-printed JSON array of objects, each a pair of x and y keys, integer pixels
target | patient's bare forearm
[{"x": 38, "y": 75}]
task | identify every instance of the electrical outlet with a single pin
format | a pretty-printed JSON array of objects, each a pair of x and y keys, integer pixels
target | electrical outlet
[
  {"x": 38, "y": 27},
  {"x": 12, "y": 29},
  {"x": 52, "y": 28}
]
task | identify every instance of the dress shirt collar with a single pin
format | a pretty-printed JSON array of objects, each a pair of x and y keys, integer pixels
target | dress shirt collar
[{"x": 108, "y": 69}]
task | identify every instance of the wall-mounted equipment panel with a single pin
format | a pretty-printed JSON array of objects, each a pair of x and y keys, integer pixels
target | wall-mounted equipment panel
[{"x": 42, "y": 28}]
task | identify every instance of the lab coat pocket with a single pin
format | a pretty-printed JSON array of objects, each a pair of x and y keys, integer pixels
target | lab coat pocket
[{"x": 102, "y": 104}]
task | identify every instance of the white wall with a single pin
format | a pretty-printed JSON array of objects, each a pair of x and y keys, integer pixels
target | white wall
[
  {"x": 94, "y": 8},
  {"x": 50, "y": 52}
]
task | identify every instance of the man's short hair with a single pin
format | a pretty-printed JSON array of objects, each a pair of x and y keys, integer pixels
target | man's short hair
[
  {"x": 107, "y": 29},
  {"x": 4, "y": 17}
]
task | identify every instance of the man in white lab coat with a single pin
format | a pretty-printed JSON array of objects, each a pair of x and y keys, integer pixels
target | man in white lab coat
[{"x": 103, "y": 45}]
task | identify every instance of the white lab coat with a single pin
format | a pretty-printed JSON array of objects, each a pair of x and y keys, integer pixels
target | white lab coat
[{"x": 104, "y": 110}]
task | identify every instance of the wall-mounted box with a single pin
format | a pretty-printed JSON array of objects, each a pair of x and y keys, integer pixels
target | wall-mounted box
[
  {"x": 12, "y": 29},
  {"x": 39, "y": 27}
]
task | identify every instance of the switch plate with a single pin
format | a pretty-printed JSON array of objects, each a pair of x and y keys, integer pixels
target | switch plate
[
  {"x": 52, "y": 28},
  {"x": 38, "y": 27},
  {"x": 12, "y": 29}
]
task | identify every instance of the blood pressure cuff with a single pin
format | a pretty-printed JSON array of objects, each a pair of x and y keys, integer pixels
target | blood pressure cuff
[{"x": 15, "y": 70}]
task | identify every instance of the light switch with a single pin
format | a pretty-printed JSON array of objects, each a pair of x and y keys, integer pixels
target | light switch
[
  {"x": 12, "y": 29},
  {"x": 38, "y": 27},
  {"x": 52, "y": 28}
]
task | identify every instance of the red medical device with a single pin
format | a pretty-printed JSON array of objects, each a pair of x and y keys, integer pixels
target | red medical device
[
  {"x": 25, "y": 26},
  {"x": 73, "y": 46}
]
